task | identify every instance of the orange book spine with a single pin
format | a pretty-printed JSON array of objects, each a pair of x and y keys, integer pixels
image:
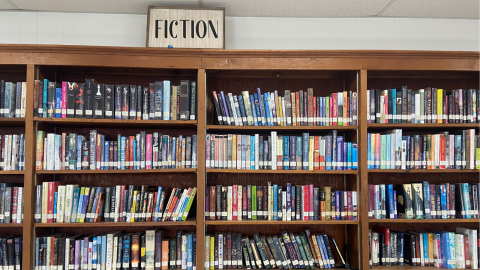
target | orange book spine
[
  {"x": 100, "y": 197},
  {"x": 317, "y": 250},
  {"x": 165, "y": 254}
]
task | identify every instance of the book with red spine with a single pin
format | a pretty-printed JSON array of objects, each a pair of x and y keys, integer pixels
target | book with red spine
[
  {"x": 349, "y": 117},
  {"x": 316, "y": 153},
  {"x": 14, "y": 204},
  {"x": 443, "y": 155},
  {"x": 131, "y": 150},
  {"x": 311, "y": 203},
  {"x": 120, "y": 208},
  {"x": 310, "y": 106},
  {"x": 314, "y": 111},
  {"x": 306, "y": 207},
  {"x": 234, "y": 202},
  {"x": 148, "y": 159},
  {"x": 349, "y": 206},
  {"x": 52, "y": 188},
  {"x": 334, "y": 109}
]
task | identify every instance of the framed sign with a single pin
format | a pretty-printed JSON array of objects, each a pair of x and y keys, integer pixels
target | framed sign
[{"x": 185, "y": 27}]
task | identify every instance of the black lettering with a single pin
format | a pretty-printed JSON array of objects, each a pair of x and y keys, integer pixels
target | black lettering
[
  {"x": 213, "y": 28},
  {"x": 184, "y": 24},
  {"x": 192, "y": 29},
  {"x": 204, "y": 29},
  {"x": 171, "y": 31},
  {"x": 166, "y": 28},
  {"x": 157, "y": 27}
]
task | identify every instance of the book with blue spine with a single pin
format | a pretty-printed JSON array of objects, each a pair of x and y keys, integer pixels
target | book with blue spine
[
  {"x": 390, "y": 204},
  {"x": 286, "y": 152},
  {"x": 305, "y": 143},
  {"x": 122, "y": 152},
  {"x": 76, "y": 195},
  {"x": 157, "y": 204},
  {"x": 293, "y": 203},
  {"x": 104, "y": 252},
  {"x": 398, "y": 148},
  {"x": 426, "y": 200},
  {"x": 134, "y": 154},
  {"x": 107, "y": 155},
  {"x": 293, "y": 150},
  {"x": 174, "y": 152},
  {"x": 298, "y": 154},
  {"x": 268, "y": 114},
  {"x": 393, "y": 94},
  {"x": 252, "y": 152},
  {"x": 466, "y": 200},
  {"x": 339, "y": 153},
  {"x": 349, "y": 156},
  {"x": 242, "y": 110},
  {"x": 354, "y": 156},
  {"x": 328, "y": 153},
  {"x": 323, "y": 251},
  {"x": 224, "y": 103},
  {"x": 8, "y": 94},
  {"x": 55, "y": 208},
  {"x": 254, "y": 112},
  {"x": 45, "y": 96},
  {"x": 262, "y": 107},
  {"x": 443, "y": 201},
  {"x": 274, "y": 195},
  {"x": 383, "y": 199},
  {"x": 58, "y": 102},
  {"x": 258, "y": 109},
  {"x": 337, "y": 205},
  {"x": 166, "y": 100},
  {"x": 189, "y": 259}
]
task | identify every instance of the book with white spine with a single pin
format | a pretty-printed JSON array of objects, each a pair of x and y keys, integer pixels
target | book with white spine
[
  {"x": 239, "y": 203},
  {"x": 60, "y": 203}
]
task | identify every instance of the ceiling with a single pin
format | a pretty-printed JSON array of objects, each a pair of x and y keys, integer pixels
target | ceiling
[{"x": 460, "y": 9}]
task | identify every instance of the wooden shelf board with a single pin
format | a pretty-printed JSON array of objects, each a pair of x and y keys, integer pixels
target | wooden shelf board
[
  {"x": 116, "y": 171},
  {"x": 273, "y": 128},
  {"x": 116, "y": 122},
  {"x": 116, "y": 224},
  {"x": 279, "y": 171},
  {"x": 277, "y": 222},
  {"x": 6, "y": 121},
  {"x": 404, "y": 267},
  {"x": 423, "y": 221},
  {"x": 11, "y": 225},
  {"x": 422, "y": 171},
  {"x": 12, "y": 172},
  {"x": 421, "y": 126}
]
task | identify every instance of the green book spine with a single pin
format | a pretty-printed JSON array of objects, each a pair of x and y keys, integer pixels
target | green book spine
[
  {"x": 189, "y": 204},
  {"x": 254, "y": 202},
  {"x": 262, "y": 251},
  {"x": 172, "y": 260},
  {"x": 307, "y": 251},
  {"x": 306, "y": 260}
]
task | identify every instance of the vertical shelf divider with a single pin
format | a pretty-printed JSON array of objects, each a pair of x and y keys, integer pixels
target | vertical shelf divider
[{"x": 201, "y": 115}]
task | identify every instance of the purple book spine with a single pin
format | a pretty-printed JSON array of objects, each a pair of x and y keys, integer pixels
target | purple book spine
[
  {"x": 305, "y": 108},
  {"x": 354, "y": 108},
  {"x": 395, "y": 204},
  {"x": 274, "y": 111},
  {"x": 77, "y": 254},
  {"x": 345, "y": 158},
  {"x": 85, "y": 251},
  {"x": 207, "y": 203},
  {"x": 222, "y": 96},
  {"x": 158, "y": 250},
  {"x": 337, "y": 205},
  {"x": 340, "y": 153},
  {"x": 311, "y": 202}
]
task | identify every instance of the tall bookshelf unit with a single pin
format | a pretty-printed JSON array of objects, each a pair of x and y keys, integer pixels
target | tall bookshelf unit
[{"x": 233, "y": 71}]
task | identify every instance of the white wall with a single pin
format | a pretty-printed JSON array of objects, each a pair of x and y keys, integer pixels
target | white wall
[{"x": 19, "y": 27}]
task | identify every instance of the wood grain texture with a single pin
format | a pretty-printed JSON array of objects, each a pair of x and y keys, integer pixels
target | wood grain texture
[
  {"x": 75, "y": 122},
  {"x": 277, "y": 222},
  {"x": 423, "y": 171},
  {"x": 457, "y": 221},
  {"x": 378, "y": 126},
  {"x": 142, "y": 171},
  {"x": 279, "y": 171},
  {"x": 188, "y": 222}
]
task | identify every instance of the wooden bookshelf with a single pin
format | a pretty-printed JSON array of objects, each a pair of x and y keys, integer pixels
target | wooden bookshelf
[
  {"x": 234, "y": 71},
  {"x": 425, "y": 221},
  {"x": 11, "y": 225}
]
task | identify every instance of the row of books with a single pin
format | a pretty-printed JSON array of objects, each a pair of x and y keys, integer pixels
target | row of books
[
  {"x": 280, "y": 152},
  {"x": 150, "y": 250},
  {"x": 442, "y": 249},
  {"x": 11, "y": 252},
  {"x": 13, "y": 152},
  {"x": 13, "y": 98},
  {"x": 293, "y": 109},
  {"x": 141, "y": 151},
  {"x": 230, "y": 250},
  {"x": 56, "y": 203},
  {"x": 423, "y": 201},
  {"x": 429, "y": 105},
  {"x": 443, "y": 150},
  {"x": 159, "y": 101},
  {"x": 11, "y": 203},
  {"x": 273, "y": 202}
]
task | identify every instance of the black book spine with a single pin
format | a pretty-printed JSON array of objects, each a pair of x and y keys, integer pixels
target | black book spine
[
  {"x": 72, "y": 89},
  {"x": 184, "y": 100},
  {"x": 88, "y": 99},
  {"x": 133, "y": 102},
  {"x": 98, "y": 101},
  {"x": 109, "y": 101},
  {"x": 2, "y": 97},
  {"x": 404, "y": 104},
  {"x": 118, "y": 101},
  {"x": 50, "y": 99},
  {"x": 145, "y": 105},
  {"x": 85, "y": 155},
  {"x": 151, "y": 107},
  {"x": 79, "y": 101},
  {"x": 193, "y": 100}
]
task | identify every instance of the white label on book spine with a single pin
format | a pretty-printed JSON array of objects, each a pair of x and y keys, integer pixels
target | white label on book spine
[
  {"x": 70, "y": 111},
  {"x": 117, "y": 113},
  {"x": 98, "y": 112},
  {"x": 108, "y": 113}
]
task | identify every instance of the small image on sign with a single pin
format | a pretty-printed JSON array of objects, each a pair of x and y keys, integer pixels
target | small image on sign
[{"x": 201, "y": 28}]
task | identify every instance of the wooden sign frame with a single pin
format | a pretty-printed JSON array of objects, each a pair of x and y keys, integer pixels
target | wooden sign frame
[{"x": 185, "y": 8}]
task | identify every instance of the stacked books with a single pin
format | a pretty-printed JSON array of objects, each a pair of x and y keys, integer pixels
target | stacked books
[
  {"x": 13, "y": 98},
  {"x": 142, "y": 151},
  {"x": 441, "y": 249},
  {"x": 56, "y": 203},
  {"x": 230, "y": 250},
  {"x": 391, "y": 150},
  {"x": 11, "y": 203},
  {"x": 255, "y": 152},
  {"x": 13, "y": 152},
  {"x": 273, "y": 202},
  {"x": 116, "y": 250},
  {"x": 11, "y": 251},
  {"x": 159, "y": 101},
  {"x": 293, "y": 109},
  {"x": 423, "y": 201},
  {"x": 429, "y": 105}
]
